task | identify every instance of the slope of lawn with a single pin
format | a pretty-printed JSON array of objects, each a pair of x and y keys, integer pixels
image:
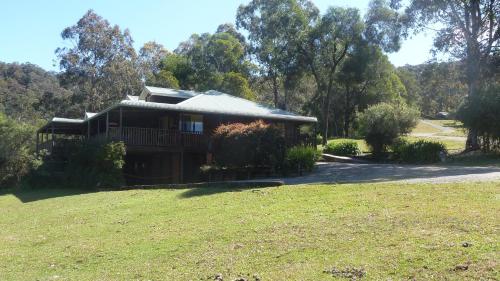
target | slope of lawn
[{"x": 380, "y": 231}]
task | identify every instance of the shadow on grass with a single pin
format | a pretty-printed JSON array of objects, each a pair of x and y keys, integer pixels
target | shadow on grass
[
  {"x": 31, "y": 195},
  {"x": 210, "y": 189}
]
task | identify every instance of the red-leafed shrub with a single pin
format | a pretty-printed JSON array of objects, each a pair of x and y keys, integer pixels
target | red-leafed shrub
[{"x": 256, "y": 144}]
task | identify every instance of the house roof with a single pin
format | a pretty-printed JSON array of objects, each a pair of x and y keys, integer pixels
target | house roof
[
  {"x": 215, "y": 102},
  {"x": 210, "y": 102},
  {"x": 166, "y": 92}
]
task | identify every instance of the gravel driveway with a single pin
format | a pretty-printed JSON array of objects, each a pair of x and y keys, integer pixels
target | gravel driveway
[{"x": 334, "y": 172}]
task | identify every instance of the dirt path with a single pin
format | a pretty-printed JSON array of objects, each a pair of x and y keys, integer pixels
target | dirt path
[
  {"x": 445, "y": 130},
  {"x": 331, "y": 172}
]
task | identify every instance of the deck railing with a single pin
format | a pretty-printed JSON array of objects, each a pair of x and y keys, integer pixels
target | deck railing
[{"x": 157, "y": 137}]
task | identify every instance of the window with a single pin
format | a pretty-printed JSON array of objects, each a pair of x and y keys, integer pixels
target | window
[{"x": 191, "y": 123}]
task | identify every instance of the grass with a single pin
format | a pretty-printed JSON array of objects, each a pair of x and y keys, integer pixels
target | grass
[
  {"x": 425, "y": 128},
  {"x": 387, "y": 231}
]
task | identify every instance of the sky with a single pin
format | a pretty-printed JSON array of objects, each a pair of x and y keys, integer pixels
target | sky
[{"x": 30, "y": 31}]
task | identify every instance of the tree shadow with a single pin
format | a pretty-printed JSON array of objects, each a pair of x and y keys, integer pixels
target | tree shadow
[
  {"x": 31, "y": 195},
  {"x": 236, "y": 186}
]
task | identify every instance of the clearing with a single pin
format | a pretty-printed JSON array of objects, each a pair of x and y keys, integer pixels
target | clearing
[{"x": 305, "y": 232}]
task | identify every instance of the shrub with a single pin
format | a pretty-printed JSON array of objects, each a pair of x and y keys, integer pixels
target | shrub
[
  {"x": 96, "y": 163},
  {"x": 421, "y": 151},
  {"x": 383, "y": 123},
  {"x": 242, "y": 145},
  {"x": 480, "y": 112},
  {"x": 344, "y": 148},
  {"x": 300, "y": 158},
  {"x": 17, "y": 157}
]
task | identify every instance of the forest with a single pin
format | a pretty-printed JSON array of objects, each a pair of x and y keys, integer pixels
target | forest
[{"x": 330, "y": 64}]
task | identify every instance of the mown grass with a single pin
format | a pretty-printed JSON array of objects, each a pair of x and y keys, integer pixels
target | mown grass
[
  {"x": 425, "y": 128},
  {"x": 387, "y": 231}
]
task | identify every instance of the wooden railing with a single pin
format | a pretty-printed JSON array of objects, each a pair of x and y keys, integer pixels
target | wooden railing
[{"x": 157, "y": 137}]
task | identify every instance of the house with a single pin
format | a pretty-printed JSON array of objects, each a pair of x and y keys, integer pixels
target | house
[{"x": 167, "y": 131}]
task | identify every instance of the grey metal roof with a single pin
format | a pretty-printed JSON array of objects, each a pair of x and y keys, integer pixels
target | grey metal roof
[
  {"x": 165, "y": 92},
  {"x": 219, "y": 103},
  {"x": 212, "y": 102},
  {"x": 66, "y": 120}
]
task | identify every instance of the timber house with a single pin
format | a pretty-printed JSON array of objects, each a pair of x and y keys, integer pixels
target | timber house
[{"x": 167, "y": 132}]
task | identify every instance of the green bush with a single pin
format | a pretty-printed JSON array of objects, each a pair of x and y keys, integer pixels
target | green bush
[
  {"x": 344, "y": 148},
  {"x": 248, "y": 145},
  {"x": 17, "y": 157},
  {"x": 383, "y": 123},
  {"x": 96, "y": 163},
  {"x": 299, "y": 158},
  {"x": 421, "y": 151}
]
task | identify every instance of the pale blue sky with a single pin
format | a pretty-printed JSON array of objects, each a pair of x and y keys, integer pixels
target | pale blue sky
[{"x": 30, "y": 30}]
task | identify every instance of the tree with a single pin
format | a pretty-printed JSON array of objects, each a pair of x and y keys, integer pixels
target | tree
[
  {"x": 208, "y": 62},
  {"x": 28, "y": 93},
  {"x": 150, "y": 57},
  {"x": 325, "y": 48},
  {"x": 366, "y": 77},
  {"x": 467, "y": 30},
  {"x": 275, "y": 29},
  {"x": 101, "y": 64}
]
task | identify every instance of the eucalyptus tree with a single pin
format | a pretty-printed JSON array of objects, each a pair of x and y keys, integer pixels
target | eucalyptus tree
[
  {"x": 325, "y": 47},
  {"x": 467, "y": 30},
  {"x": 150, "y": 56},
  {"x": 100, "y": 66},
  {"x": 367, "y": 77},
  {"x": 275, "y": 30}
]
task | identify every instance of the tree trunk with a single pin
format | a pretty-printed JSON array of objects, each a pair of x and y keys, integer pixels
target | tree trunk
[
  {"x": 473, "y": 63},
  {"x": 275, "y": 91}
]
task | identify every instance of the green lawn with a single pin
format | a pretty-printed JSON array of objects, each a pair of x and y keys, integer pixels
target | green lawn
[{"x": 387, "y": 231}]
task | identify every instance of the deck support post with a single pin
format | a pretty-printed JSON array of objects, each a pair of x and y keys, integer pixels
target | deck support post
[
  {"x": 181, "y": 176},
  {"x": 107, "y": 124},
  {"x": 121, "y": 120},
  {"x": 52, "y": 141},
  {"x": 37, "y": 141},
  {"x": 315, "y": 145}
]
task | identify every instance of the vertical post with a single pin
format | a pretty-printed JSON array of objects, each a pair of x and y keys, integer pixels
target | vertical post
[
  {"x": 121, "y": 120},
  {"x": 107, "y": 124},
  {"x": 37, "y": 141},
  {"x": 98, "y": 126},
  {"x": 88, "y": 129},
  {"x": 314, "y": 136},
  {"x": 181, "y": 176},
  {"x": 52, "y": 142}
]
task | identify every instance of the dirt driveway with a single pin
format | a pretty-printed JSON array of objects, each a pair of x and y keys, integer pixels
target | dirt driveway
[{"x": 334, "y": 172}]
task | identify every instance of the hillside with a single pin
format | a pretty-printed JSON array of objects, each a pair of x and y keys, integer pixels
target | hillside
[{"x": 380, "y": 231}]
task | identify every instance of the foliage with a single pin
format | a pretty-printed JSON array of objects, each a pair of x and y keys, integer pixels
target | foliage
[
  {"x": 421, "y": 151},
  {"x": 383, "y": 123},
  {"x": 467, "y": 30},
  {"x": 299, "y": 158},
  {"x": 29, "y": 93},
  {"x": 434, "y": 87},
  {"x": 344, "y": 148},
  {"x": 150, "y": 56},
  {"x": 274, "y": 30},
  {"x": 256, "y": 144},
  {"x": 95, "y": 163},
  {"x": 16, "y": 151},
  {"x": 482, "y": 113},
  {"x": 101, "y": 65}
]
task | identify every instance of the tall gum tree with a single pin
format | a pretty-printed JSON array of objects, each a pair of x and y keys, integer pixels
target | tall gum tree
[{"x": 468, "y": 30}]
